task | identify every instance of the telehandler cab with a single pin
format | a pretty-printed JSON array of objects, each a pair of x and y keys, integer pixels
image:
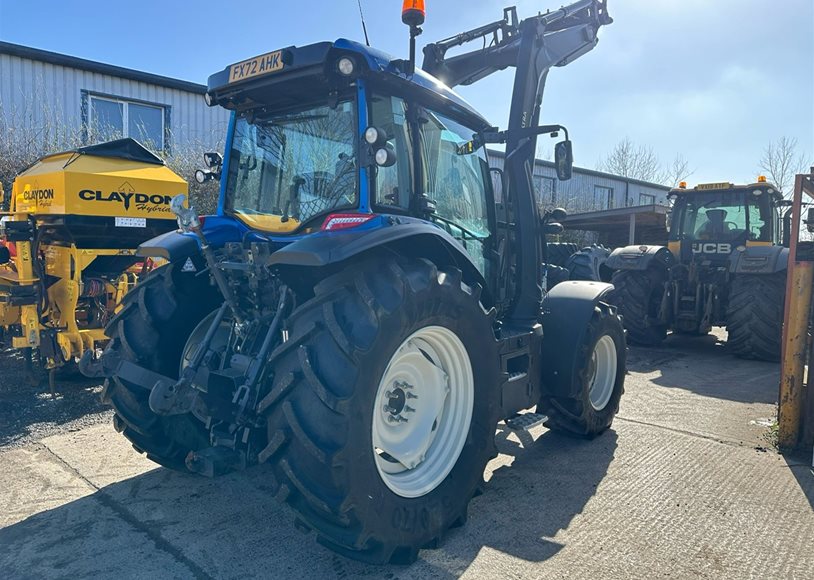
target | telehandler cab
[
  {"x": 724, "y": 265},
  {"x": 361, "y": 313}
]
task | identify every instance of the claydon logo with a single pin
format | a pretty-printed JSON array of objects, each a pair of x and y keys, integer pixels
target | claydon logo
[
  {"x": 38, "y": 194},
  {"x": 127, "y": 195}
]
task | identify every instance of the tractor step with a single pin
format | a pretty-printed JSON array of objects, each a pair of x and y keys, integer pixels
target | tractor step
[{"x": 525, "y": 421}]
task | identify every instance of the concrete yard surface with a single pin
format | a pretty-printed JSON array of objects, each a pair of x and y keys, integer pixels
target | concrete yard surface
[{"x": 685, "y": 485}]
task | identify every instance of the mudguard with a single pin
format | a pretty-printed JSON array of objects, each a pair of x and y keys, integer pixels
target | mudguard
[
  {"x": 639, "y": 257},
  {"x": 567, "y": 310},
  {"x": 759, "y": 260},
  {"x": 404, "y": 234},
  {"x": 172, "y": 246}
]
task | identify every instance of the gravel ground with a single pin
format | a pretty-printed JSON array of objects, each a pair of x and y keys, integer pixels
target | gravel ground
[{"x": 28, "y": 414}]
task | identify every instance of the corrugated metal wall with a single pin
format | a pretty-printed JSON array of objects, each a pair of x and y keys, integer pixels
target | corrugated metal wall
[
  {"x": 586, "y": 191},
  {"x": 34, "y": 93}
]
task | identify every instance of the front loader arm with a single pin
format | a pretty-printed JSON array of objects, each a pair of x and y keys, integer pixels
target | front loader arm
[{"x": 532, "y": 47}]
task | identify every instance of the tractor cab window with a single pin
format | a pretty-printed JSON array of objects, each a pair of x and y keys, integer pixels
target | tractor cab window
[
  {"x": 394, "y": 184},
  {"x": 285, "y": 169},
  {"x": 458, "y": 180},
  {"x": 726, "y": 216}
]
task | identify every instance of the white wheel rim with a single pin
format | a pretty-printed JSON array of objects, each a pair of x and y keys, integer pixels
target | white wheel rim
[
  {"x": 423, "y": 409},
  {"x": 602, "y": 372}
]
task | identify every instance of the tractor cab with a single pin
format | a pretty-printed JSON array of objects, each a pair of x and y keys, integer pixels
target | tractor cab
[
  {"x": 712, "y": 220},
  {"x": 320, "y": 142}
]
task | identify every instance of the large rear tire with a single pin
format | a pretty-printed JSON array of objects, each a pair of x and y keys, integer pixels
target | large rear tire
[
  {"x": 151, "y": 330},
  {"x": 637, "y": 295},
  {"x": 339, "y": 405},
  {"x": 599, "y": 384},
  {"x": 755, "y": 315}
]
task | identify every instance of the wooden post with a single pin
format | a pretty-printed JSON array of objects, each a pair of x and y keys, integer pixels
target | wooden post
[
  {"x": 631, "y": 237},
  {"x": 795, "y": 328}
]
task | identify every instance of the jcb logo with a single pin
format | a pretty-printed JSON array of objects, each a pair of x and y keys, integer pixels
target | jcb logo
[{"x": 701, "y": 248}]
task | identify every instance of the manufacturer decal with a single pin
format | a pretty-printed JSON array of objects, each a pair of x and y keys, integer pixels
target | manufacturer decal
[
  {"x": 711, "y": 248},
  {"x": 150, "y": 203}
]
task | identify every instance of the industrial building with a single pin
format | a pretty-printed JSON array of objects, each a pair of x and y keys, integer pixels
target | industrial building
[{"x": 96, "y": 101}]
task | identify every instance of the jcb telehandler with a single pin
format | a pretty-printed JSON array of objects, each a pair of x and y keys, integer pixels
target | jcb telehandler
[
  {"x": 360, "y": 313},
  {"x": 724, "y": 265}
]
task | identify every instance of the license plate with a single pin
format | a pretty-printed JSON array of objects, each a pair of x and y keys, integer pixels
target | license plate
[
  {"x": 129, "y": 222},
  {"x": 259, "y": 65},
  {"x": 704, "y": 186}
]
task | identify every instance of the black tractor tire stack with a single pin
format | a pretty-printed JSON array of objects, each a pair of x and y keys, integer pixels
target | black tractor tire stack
[
  {"x": 558, "y": 253},
  {"x": 151, "y": 330},
  {"x": 555, "y": 275},
  {"x": 320, "y": 406},
  {"x": 589, "y": 264},
  {"x": 755, "y": 315},
  {"x": 576, "y": 415},
  {"x": 637, "y": 296}
]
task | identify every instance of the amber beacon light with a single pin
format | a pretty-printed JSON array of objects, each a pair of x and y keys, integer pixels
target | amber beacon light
[{"x": 413, "y": 13}]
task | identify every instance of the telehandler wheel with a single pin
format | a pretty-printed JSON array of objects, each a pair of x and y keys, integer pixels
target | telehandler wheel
[
  {"x": 755, "y": 315},
  {"x": 599, "y": 384},
  {"x": 151, "y": 330},
  {"x": 637, "y": 295},
  {"x": 383, "y": 407}
]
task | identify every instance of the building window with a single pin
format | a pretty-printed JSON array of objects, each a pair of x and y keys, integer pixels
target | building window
[
  {"x": 544, "y": 189},
  {"x": 647, "y": 199},
  {"x": 113, "y": 118},
  {"x": 549, "y": 190},
  {"x": 603, "y": 197}
]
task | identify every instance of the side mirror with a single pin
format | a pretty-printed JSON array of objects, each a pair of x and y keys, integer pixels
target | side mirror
[
  {"x": 564, "y": 160},
  {"x": 552, "y": 229}
]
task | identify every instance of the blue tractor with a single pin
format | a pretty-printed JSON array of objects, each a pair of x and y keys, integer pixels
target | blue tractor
[{"x": 368, "y": 302}]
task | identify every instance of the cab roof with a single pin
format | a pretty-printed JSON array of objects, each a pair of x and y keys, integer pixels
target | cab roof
[
  {"x": 725, "y": 186},
  {"x": 296, "y": 62}
]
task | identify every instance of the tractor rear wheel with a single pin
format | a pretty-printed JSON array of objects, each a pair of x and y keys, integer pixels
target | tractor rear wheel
[
  {"x": 151, "y": 330},
  {"x": 383, "y": 407},
  {"x": 755, "y": 315},
  {"x": 599, "y": 384},
  {"x": 637, "y": 295}
]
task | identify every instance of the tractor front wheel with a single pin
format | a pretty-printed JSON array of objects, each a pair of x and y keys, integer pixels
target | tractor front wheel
[
  {"x": 383, "y": 407},
  {"x": 755, "y": 315},
  {"x": 637, "y": 294},
  {"x": 599, "y": 383}
]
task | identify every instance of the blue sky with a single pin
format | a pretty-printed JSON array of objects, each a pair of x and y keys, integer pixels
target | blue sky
[{"x": 714, "y": 80}]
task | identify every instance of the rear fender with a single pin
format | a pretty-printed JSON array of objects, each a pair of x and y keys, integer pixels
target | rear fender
[
  {"x": 640, "y": 257},
  {"x": 407, "y": 236},
  {"x": 759, "y": 260},
  {"x": 567, "y": 310}
]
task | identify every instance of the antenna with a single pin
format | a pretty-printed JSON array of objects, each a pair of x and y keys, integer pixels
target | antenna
[{"x": 364, "y": 27}]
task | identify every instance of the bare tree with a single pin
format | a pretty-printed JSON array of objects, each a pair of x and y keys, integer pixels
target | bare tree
[
  {"x": 634, "y": 161},
  {"x": 677, "y": 171},
  {"x": 781, "y": 162}
]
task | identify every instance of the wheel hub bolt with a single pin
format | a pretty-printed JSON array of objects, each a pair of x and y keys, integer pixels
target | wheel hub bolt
[
  {"x": 396, "y": 419},
  {"x": 411, "y": 395},
  {"x": 408, "y": 409}
]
